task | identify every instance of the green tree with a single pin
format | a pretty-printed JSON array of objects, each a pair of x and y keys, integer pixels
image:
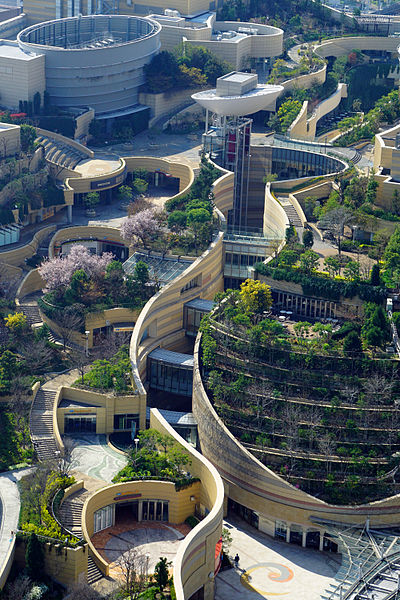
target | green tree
[
  {"x": 37, "y": 101},
  {"x": 309, "y": 261},
  {"x": 140, "y": 185},
  {"x": 255, "y": 296},
  {"x": 177, "y": 220},
  {"x": 125, "y": 193},
  {"x": 352, "y": 270},
  {"x": 375, "y": 275},
  {"x": 92, "y": 199},
  {"x": 352, "y": 342},
  {"x": 161, "y": 572},
  {"x": 141, "y": 272},
  {"x": 34, "y": 557},
  {"x": 16, "y": 322},
  {"x": 396, "y": 202},
  {"x": 332, "y": 264},
  {"x": 308, "y": 238},
  {"x": 28, "y": 137}
]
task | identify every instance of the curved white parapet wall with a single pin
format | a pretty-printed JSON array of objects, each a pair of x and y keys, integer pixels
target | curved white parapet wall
[
  {"x": 237, "y": 106},
  {"x": 305, "y": 129},
  {"x": 94, "y": 61}
]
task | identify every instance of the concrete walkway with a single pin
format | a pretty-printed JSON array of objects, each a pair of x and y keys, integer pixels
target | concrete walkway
[
  {"x": 270, "y": 568},
  {"x": 9, "y": 509},
  {"x": 93, "y": 457}
]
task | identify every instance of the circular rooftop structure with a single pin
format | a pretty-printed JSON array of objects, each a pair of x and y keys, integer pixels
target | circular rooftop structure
[
  {"x": 238, "y": 94},
  {"x": 94, "y": 61}
]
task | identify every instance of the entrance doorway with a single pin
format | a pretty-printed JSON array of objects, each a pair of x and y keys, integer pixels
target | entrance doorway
[
  {"x": 126, "y": 512},
  {"x": 245, "y": 513},
  {"x": 80, "y": 424}
]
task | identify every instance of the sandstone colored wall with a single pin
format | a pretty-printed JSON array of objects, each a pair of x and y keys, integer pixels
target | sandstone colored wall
[
  {"x": 195, "y": 559},
  {"x": 17, "y": 256},
  {"x": 274, "y": 215}
]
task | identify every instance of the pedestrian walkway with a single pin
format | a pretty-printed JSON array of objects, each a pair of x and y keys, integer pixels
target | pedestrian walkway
[
  {"x": 9, "y": 511},
  {"x": 270, "y": 568},
  {"x": 93, "y": 457}
]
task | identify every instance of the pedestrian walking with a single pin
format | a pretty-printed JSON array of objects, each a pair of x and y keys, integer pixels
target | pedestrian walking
[{"x": 236, "y": 561}]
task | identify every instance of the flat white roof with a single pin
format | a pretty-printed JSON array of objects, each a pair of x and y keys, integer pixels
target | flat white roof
[
  {"x": 8, "y": 50},
  {"x": 238, "y": 77}
]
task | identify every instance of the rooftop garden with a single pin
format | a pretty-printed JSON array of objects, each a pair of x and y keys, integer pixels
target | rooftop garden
[
  {"x": 157, "y": 457},
  {"x": 185, "y": 67},
  {"x": 82, "y": 282},
  {"x": 113, "y": 374},
  {"x": 185, "y": 226},
  {"x": 316, "y": 403}
]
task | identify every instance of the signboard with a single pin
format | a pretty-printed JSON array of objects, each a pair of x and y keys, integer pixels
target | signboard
[
  {"x": 120, "y": 329},
  {"x": 126, "y": 497},
  {"x": 105, "y": 183}
]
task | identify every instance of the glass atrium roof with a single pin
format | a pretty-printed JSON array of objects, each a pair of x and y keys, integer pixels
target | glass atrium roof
[{"x": 161, "y": 270}]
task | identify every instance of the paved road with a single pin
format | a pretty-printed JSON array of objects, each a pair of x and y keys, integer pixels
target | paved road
[
  {"x": 270, "y": 568},
  {"x": 9, "y": 509}
]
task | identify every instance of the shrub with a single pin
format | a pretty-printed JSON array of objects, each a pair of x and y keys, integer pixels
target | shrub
[{"x": 192, "y": 521}]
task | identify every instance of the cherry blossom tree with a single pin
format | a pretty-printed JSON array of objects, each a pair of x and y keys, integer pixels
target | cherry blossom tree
[
  {"x": 57, "y": 272},
  {"x": 143, "y": 225}
]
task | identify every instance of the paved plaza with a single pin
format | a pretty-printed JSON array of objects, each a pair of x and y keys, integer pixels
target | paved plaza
[
  {"x": 150, "y": 540},
  {"x": 93, "y": 457},
  {"x": 269, "y": 568}
]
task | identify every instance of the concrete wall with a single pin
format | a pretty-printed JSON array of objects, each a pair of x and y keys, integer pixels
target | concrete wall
[
  {"x": 304, "y": 128},
  {"x": 180, "y": 505},
  {"x": 21, "y": 76},
  {"x": 341, "y": 46},
  {"x": 104, "y": 405},
  {"x": 100, "y": 232},
  {"x": 32, "y": 282},
  {"x": 65, "y": 565},
  {"x": 17, "y": 256},
  {"x": 82, "y": 124},
  {"x": 195, "y": 559},
  {"x": 166, "y": 102},
  {"x": 10, "y": 28},
  {"x": 10, "y": 139},
  {"x": 274, "y": 215},
  {"x": 161, "y": 321},
  {"x": 305, "y": 81}
]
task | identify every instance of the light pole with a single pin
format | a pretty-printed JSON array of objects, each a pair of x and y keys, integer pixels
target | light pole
[
  {"x": 87, "y": 343},
  {"x": 136, "y": 440},
  {"x": 147, "y": 564}
]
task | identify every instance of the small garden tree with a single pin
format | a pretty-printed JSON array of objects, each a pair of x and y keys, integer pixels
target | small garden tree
[
  {"x": 161, "y": 572},
  {"x": 308, "y": 239},
  {"x": 255, "y": 296},
  {"x": 143, "y": 226}
]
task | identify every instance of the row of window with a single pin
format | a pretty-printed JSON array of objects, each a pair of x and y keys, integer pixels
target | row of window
[{"x": 245, "y": 260}]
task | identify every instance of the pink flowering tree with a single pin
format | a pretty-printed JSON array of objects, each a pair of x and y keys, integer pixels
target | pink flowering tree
[
  {"x": 143, "y": 226},
  {"x": 57, "y": 272}
]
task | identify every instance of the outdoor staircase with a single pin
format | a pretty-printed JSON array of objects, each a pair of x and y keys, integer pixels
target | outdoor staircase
[
  {"x": 93, "y": 573},
  {"x": 291, "y": 212},
  {"x": 31, "y": 311},
  {"x": 41, "y": 425},
  {"x": 59, "y": 153},
  {"x": 70, "y": 517}
]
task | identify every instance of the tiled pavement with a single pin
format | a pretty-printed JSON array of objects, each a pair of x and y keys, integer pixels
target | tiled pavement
[{"x": 155, "y": 539}]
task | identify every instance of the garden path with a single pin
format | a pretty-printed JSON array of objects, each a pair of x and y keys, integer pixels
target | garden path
[{"x": 9, "y": 511}]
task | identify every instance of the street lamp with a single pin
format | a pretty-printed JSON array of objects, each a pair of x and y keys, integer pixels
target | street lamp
[
  {"x": 136, "y": 440},
  {"x": 87, "y": 342}
]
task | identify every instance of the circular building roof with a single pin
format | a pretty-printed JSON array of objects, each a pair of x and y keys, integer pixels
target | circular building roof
[
  {"x": 92, "y": 32},
  {"x": 256, "y": 99}
]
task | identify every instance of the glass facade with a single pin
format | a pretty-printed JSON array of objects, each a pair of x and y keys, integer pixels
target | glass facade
[
  {"x": 125, "y": 422},
  {"x": 169, "y": 378},
  {"x": 80, "y": 423},
  {"x": 289, "y": 163},
  {"x": 103, "y": 518},
  {"x": 155, "y": 510}
]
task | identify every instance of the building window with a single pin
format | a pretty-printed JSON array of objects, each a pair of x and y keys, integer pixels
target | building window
[
  {"x": 280, "y": 529},
  {"x": 126, "y": 422},
  {"x": 103, "y": 518},
  {"x": 195, "y": 282},
  {"x": 155, "y": 510}
]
